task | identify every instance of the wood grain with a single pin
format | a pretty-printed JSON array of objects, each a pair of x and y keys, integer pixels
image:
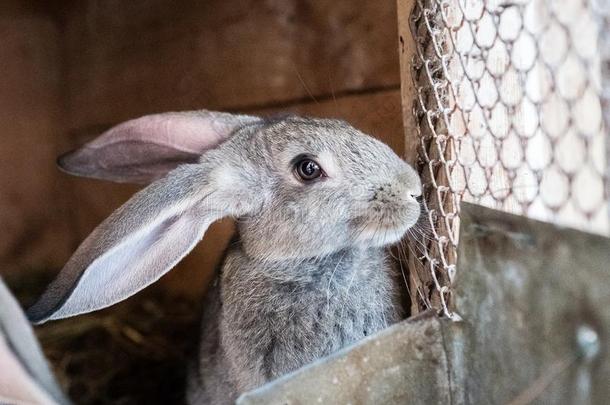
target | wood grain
[
  {"x": 33, "y": 216},
  {"x": 129, "y": 59}
]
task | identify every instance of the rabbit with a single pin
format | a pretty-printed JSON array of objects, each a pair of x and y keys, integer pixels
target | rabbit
[
  {"x": 316, "y": 203},
  {"x": 25, "y": 377}
]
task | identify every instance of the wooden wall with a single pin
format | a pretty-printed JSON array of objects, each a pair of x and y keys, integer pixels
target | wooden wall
[
  {"x": 35, "y": 230},
  {"x": 121, "y": 60}
]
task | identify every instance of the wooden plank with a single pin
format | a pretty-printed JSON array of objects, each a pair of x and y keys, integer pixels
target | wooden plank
[
  {"x": 406, "y": 49},
  {"x": 535, "y": 304},
  {"x": 404, "y": 364},
  {"x": 129, "y": 59},
  {"x": 420, "y": 279},
  {"x": 35, "y": 227}
]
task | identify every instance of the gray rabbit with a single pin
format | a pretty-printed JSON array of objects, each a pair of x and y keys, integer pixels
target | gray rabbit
[
  {"x": 316, "y": 202},
  {"x": 25, "y": 377}
]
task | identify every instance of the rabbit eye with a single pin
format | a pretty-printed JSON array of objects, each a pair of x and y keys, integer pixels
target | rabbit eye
[{"x": 307, "y": 169}]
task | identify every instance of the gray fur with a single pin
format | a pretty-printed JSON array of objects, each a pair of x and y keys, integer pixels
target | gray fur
[{"x": 263, "y": 320}]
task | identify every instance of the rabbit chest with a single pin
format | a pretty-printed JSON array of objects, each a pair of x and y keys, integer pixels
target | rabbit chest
[{"x": 279, "y": 316}]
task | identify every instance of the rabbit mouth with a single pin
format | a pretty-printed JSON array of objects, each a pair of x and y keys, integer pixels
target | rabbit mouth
[{"x": 379, "y": 234}]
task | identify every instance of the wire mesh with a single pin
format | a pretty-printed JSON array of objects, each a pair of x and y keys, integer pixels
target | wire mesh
[{"x": 509, "y": 106}]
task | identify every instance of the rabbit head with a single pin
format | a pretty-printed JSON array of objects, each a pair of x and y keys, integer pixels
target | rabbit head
[
  {"x": 358, "y": 192},
  {"x": 299, "y": 188}
]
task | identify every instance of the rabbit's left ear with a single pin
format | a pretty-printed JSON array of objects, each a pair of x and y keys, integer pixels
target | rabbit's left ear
[
  {"x": 147, "y": 148},
  {"x": 145, "y": 238},
  {"x": 25, "y": 377}
]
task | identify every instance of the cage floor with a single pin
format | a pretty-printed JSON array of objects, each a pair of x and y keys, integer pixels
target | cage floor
[{"x": 133, "y": 353}]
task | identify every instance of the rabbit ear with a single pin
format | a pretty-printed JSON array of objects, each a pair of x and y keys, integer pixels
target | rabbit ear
[
  {"x": 139, "y": 242},
  {"x": 147, "y": 148},
  {"x": 25, "y": 377}
]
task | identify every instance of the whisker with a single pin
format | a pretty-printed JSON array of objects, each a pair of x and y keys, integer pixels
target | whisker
[{"x": 305, "y": 85}]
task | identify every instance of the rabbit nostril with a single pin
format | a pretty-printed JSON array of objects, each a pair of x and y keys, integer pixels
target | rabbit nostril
[{"x": 415, "y": 193}]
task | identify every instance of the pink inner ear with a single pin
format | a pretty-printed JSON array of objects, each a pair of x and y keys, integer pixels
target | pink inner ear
[
  {"x": 192, "y": 132},
  {"x": 145, "y": 149}
]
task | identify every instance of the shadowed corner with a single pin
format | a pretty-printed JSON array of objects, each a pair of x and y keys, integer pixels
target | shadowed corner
[{"x": 133, "y": 353}]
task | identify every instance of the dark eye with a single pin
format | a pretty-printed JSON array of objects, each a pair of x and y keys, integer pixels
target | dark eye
[{"x": 308, "y": 169}]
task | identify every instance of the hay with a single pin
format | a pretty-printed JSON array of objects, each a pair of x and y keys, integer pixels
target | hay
[{"x": 133, "y": 353}]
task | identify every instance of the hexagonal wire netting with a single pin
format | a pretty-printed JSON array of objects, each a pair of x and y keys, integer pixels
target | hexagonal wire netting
[{"x": 509, "y": 107}]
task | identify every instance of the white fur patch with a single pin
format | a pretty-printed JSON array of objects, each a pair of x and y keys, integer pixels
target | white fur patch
[
  {"x": 226, "y": 177},
  {"x": 329, "y": 164}
]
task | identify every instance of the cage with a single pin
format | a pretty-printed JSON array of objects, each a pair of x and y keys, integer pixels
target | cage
[{"x": 509, "y": 106}]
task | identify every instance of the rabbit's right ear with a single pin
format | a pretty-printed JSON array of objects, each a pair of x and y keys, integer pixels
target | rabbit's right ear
[
  {"x": 145, "y": 238},
  {"x": 25, "y": 377},
  {"x": 147, "y": 148}
]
